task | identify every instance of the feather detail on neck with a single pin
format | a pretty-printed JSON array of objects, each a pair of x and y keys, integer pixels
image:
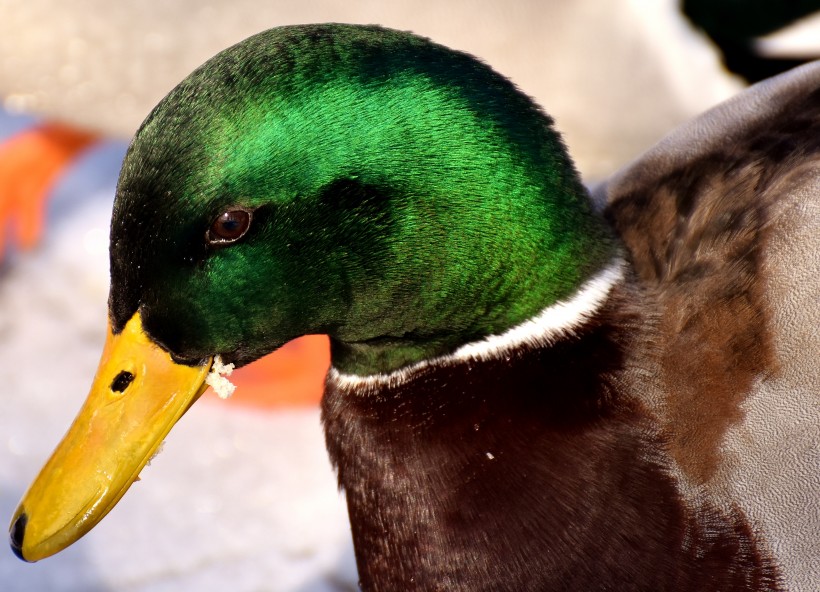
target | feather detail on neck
[{"x": 558, "y": 320}]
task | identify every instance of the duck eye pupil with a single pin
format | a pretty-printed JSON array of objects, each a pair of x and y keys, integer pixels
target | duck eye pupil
[{"x": 229, "y": 226}]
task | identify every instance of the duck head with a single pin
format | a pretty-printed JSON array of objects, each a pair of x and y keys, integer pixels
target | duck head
[{"x": 365, "y": 183}]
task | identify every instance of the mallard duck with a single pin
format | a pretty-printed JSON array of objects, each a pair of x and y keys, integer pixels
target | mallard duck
[{"x": 531, "y": 389}]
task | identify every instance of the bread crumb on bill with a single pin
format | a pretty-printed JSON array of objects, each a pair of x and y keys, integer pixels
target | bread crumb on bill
[{"x": 223, "y": 387}]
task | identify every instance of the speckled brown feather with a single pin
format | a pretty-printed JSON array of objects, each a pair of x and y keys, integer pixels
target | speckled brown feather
[
  {"x": 721, "y": 222},
  {"x": 697, "y": 238}
]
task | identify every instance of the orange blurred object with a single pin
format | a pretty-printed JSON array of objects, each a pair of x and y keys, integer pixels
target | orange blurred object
[
  {"x": 30, "y": 164},
  {"x": 292, "y": 376}
]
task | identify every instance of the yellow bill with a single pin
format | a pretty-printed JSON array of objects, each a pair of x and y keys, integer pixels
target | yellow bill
[{"x": 138, "y": 395}]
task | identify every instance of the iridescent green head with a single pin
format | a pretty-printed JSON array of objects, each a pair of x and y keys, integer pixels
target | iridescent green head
[{"x": 356, "y": 181}]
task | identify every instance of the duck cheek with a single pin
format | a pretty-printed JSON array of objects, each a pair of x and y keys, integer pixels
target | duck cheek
[{"x": 180, "y": 321}]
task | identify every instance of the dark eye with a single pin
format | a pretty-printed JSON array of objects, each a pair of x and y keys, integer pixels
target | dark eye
[{"x": 229, "y": 227}]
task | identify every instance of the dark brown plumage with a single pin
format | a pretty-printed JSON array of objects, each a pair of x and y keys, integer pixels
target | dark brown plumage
[{"x": 536, "y": 472}]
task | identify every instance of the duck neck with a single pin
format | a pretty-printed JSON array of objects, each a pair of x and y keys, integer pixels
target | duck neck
[
  {"x": 550, "y": 325},
  {"x": 473, "y": 285}
]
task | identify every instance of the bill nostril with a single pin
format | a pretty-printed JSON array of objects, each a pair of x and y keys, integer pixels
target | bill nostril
[
  {"x": 16, "y": 535},
  {"x": 121, "y": 381}
]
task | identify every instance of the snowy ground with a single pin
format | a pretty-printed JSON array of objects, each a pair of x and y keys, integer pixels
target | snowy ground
[{"x": 238, "y": 500}]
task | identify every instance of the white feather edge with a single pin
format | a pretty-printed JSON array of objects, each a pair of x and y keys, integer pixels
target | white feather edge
[{"x": 552, "y": 323}]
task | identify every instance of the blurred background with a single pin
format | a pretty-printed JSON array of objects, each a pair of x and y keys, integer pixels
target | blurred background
[{"x": 243, "y": 497}]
